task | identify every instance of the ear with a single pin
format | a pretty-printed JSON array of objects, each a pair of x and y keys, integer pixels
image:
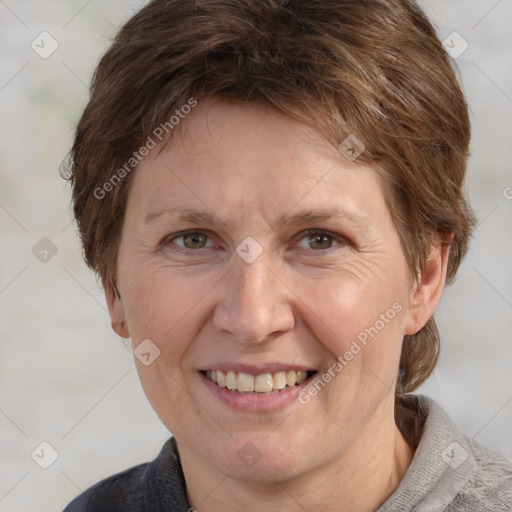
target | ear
[
  {"x": 116, "y": 310},
  {"x": 426, "y": 294}
]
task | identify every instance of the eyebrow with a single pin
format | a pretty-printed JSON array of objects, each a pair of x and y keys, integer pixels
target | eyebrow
[
  {"x": 186, "y": 215},
  {"x": 299, "y": 218},
  {"x": 310, "y": 216}
]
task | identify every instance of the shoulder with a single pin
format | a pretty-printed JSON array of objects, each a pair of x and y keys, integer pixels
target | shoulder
[
  {"x": 470, "y": 476},
  {"x": 489, "y": 487},
  {"x": 157, "y": 485},
  {"x": 449, "y": 471},
  {"x": 123, "y": 492}
]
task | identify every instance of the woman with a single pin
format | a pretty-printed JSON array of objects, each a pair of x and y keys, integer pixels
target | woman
[{"x": 271, "y": 193}]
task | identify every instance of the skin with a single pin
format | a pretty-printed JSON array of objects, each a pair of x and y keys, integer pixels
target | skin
[{"x": 301, "y": 302}]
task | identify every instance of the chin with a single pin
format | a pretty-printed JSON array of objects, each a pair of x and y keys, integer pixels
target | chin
[{"x": 262, "y": 458}]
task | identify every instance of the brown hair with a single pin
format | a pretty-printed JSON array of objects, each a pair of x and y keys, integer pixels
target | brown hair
[{"x": 373, "y": 68}]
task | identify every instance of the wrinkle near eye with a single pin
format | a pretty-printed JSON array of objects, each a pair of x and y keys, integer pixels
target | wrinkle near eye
[{"x": 367, "y": 266}]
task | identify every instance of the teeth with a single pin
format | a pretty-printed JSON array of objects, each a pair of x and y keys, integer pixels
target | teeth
[
  {"x": 245, "y": 382},
  {"x": 301, "y": 377},
  {"x": 291, "y": 378},
  {"x": 279, "y": 380},
  {"x": 231, "y": 380},
  {"x": 265, "y": 383}
]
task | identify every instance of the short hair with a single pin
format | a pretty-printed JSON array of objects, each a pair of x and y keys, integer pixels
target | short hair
[{"x": 374, "y": 69}]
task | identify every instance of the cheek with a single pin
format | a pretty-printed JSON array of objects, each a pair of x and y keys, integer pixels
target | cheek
[
  {"x": 360, "y": 322},
  {"x": 170, "y": 309},
  {"x": 361, "y": 325},
  {"x": 165, "y": 306},
  {"x": 341, "y": 309}
]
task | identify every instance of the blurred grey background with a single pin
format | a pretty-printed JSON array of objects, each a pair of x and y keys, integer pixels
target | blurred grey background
[{"x": 66, "y": 379}]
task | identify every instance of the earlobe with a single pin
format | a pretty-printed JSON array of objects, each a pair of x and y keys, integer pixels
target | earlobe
[
  {"x": 427, "y": 293},
  {"x": 117, "y": 314}
]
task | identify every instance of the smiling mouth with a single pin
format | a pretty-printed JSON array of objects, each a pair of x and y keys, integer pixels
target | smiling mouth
[{"x": 263, "y": 384}]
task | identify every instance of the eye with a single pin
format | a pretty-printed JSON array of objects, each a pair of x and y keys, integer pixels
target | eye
[
  {"x": 318, "y": 240},
  {"x": 191, "y": 240}
]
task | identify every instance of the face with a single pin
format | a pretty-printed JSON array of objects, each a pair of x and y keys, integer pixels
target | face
[{"x": 252, "y": 246}]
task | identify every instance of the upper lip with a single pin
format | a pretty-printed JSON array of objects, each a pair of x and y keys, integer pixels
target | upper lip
[{"x": 257, "y": 369}]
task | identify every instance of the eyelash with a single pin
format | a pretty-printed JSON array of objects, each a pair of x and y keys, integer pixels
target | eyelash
[{"x": 338, "y": 240}]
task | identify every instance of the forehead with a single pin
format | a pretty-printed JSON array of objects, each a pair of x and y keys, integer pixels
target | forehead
[{"x": 227, "y": 154}]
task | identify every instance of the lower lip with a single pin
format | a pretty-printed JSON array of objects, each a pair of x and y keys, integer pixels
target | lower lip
[{"x": 255, "y": 402}]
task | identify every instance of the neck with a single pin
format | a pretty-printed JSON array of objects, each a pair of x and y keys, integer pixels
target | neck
[{"x": 361, "y": 479}]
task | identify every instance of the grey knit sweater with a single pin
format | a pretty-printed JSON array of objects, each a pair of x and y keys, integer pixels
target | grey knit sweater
[{"x": 449, "y": 473}]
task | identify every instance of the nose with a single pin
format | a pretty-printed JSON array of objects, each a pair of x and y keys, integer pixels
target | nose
[{"x": 254, "y": 304}]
